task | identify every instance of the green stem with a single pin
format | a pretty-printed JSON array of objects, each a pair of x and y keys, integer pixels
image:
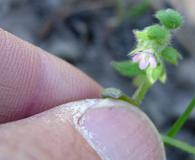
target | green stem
[
  {"x": 141, "y": 91},
  {"x": 178, "y": 144},
  {"x": 181, "y": 120}
]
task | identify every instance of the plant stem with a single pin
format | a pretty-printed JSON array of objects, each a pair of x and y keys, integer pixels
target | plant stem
[
  {"x": 141, "y": 91},
  {"x": 181, "y": 120},
  {"x": 178, "y": 144}
]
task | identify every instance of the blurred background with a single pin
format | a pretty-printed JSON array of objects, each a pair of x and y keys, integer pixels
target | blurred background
[{"x": 91, "y": 34}]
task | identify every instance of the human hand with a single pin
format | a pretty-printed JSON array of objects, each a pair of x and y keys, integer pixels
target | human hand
[{"x": 33, "y": 81}]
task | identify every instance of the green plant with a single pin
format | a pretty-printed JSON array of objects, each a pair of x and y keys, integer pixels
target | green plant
[{"x": 147, "y": 66}]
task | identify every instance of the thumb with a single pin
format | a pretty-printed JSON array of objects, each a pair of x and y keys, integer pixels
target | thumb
[{"x": 90, "y": 129}]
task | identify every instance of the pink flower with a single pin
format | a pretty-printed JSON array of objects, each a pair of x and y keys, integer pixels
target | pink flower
[{"x": 144, "y": 59}]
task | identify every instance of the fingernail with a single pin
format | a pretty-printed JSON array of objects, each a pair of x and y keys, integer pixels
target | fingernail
[{"x": 118, "y": 131}]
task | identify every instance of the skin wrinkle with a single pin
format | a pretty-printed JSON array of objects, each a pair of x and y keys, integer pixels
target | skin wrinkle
[
  {"x": 23, "y": 88},
  {"x": 37, "y": 80},
  {"x": 35, "y": 93},
  {"x": 4, "y": 67},
  {"x": 48, "y": 81},
  {"x": 15, "y": 73}
]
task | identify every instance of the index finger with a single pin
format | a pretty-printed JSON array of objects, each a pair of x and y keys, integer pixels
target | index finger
[{"x": 31, "y": 80}]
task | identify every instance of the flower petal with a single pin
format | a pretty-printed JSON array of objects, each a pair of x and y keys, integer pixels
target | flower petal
[
  {"x": 152, "y": 62},
  {"x": 136, "y": 58},
  {"x": 143, "y": 64}
]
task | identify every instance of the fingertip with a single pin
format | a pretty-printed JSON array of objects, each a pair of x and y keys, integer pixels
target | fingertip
[
  {"x": 33, "y": 80},
  {"x": 117, "y": 130},
  {"x": 87, "y": 129}
]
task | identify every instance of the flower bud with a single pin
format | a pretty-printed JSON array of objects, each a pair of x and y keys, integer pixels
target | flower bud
[
  {"x": 157, "y": 32},
  {"x": 169, "y": 18}
]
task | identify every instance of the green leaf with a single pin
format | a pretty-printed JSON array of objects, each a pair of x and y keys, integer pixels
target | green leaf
[
  {"x": 158, "y": 35},
  {"x": 141, "y": 37},
  {"x": 154, "y": 74},
  {"x": 169, "y": 18},
  {"x": 156, "y": 32},
  {"x": 117, "y": 94},
  {"x": 171, "y": 55},
  {"x": 127, "y": 68},
  {"x": 163, "y": 76},
  {"x": 178, "y": 144},
  {"x": 182, "y": 119}
]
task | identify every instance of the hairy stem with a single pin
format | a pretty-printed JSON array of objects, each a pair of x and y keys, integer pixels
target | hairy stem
[{"x": 141, "y": 91}]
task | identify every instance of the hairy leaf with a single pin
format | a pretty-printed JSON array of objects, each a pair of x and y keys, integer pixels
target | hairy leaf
[
  {"x": 171, "y": 55},
  {"x": 169, "y": 18},
  {"x": 127, "y": 68}
]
